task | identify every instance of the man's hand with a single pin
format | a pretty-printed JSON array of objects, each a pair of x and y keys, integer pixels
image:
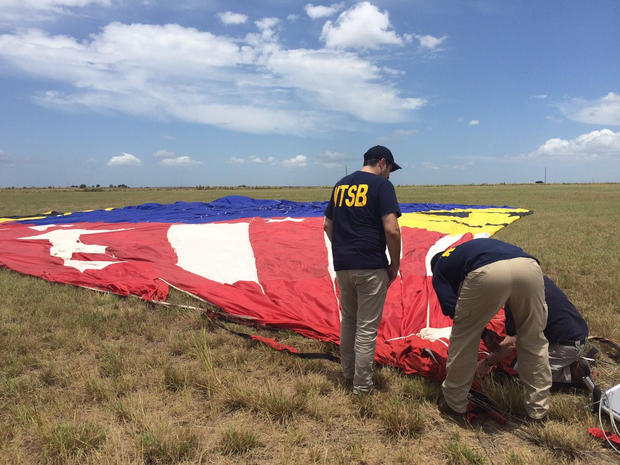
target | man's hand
[
  {"x": 392, "y": 238},
  {"x": 392, "y": 272},
  {"x": 482, "y": 369},
  {"x": 328, "y": 227}
]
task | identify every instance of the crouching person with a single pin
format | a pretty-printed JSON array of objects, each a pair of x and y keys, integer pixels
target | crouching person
[{"x": 473, "y": 281}]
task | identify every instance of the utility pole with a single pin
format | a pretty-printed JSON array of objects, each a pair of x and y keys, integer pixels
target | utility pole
[
  {"x": 545, "y": 175},
  {"x": 345, "y": 170}
]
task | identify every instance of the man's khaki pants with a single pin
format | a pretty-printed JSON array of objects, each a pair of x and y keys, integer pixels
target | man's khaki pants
[
  {"x": 362, "y": 295},
  {"x": 483, "y": 292}
]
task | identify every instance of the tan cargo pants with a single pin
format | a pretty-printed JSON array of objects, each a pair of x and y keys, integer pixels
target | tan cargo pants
[
  {"x": 362, "y": 295},
  {"x": 483, "y": 292}
]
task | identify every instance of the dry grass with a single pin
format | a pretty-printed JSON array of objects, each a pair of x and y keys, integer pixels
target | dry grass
[{"x": 89, "y": 378}]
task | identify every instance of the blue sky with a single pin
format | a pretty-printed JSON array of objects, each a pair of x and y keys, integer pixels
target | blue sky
[{"x": 274, "y": 92}]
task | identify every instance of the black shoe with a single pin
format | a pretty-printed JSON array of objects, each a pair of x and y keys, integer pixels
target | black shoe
[{"x": 459, "y": 418}]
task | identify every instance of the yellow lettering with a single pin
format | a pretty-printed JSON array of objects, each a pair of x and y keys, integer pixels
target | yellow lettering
[
  {"x": 351, "y": 194},
  {"x": 360, "y": 198},
  {"x": 343, "y": 188},
  {"x": 448, "y": 252}
]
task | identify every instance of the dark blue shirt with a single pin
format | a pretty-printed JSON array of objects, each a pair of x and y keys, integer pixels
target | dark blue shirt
[
  {"x": 456, "y": 262},
  {"x": 564, "y": 322},
  {"x": 357, "y": 205}
]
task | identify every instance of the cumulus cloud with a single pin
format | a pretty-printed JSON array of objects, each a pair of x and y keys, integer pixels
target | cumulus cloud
[
  {"x": 251, "y": 84},
  {"x": 252, "y": 159},
  {"x": 474, "y": 122},
  {"x": 605, "y": 111},
  {"x": 429, "y": 42},
  {"x": 341, "y": 81},
  {"x": 320, "y": 11},
  {"x": 333, "y": 159},
  {"x": 602, "y": 143},
  {"x": 124, "y": 159},
  {"x": 361, "y": 26},
  {"x": 298, "y": 161},
  {"x": 266, "y": 26},
  {"x": 228, "y": 17},
  {"x": 172, "y": 159}
]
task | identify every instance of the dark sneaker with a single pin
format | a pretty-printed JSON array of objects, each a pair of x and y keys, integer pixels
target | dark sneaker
[{"x": 459, "y": 418}]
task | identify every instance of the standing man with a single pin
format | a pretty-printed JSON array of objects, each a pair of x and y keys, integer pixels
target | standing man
[
  {"x": 360, "y": 220},
  {"x": 473, "y": 281}
]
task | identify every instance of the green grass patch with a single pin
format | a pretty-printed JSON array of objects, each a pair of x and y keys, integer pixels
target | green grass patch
[
  {"x": 70, "y": 441},
  {"x": 402, "y": 418},
  {"x": 238, "y": 441},
  {"x": 458, "y": 452},
  {"x": 166, "y": 446}
]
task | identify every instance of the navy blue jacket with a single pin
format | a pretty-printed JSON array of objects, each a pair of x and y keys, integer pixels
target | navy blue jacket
[
  {"x": 357, "y": 205},
  {"x": 455, "y": 263}
]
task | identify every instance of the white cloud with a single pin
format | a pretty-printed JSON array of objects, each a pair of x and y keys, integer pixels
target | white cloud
[
  {"x": 320, "y": 11},
  {"x": 228, "y": 17},
  {"x": 605, "y": 111},
  {"x": 361, "y": 26},
  {"x": 125, "y": 159},
  {"x": 341, "y": 81},
  {"x": 266, "y": 26},
  {"x": 430, "y": 42},
  {"x": 252, "y": 159},
  {"x": 474, "y": 122},
  {"x": 298, "y": 161},
  {"x": 602, "y": 143},
  {"x": 333, "y": 159},
  {"x": 172, "y": 159},
  {"x": 540, "y": 96},
  {"x": 251, "y": 84},
  {"x": 180, "y": 161}
]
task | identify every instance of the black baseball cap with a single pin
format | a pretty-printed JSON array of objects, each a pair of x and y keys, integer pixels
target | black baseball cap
[{"x": 378, "y": 152}]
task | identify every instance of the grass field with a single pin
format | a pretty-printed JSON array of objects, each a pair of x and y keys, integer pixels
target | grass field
[{"x": 94, "y": 378}]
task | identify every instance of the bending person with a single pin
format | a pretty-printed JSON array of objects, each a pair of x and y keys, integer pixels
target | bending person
[{"x": 473, "y": 281}]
